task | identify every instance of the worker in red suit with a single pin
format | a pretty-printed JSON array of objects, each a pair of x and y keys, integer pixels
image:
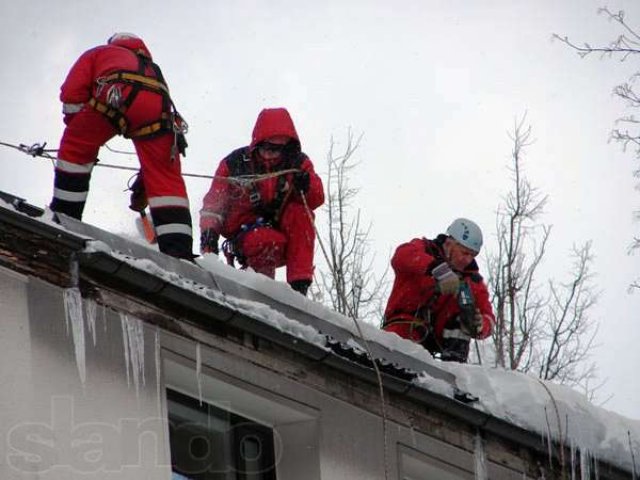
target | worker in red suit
[
  {"x": 117, "y": 89},
  {"x": 439, "y": 298},
  {"x": 261, "y": 201}
]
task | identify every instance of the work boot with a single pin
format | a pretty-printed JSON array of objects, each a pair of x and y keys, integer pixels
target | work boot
[
  {"x": 301, "y": 286},
  {"x": 176, "y": 245}
]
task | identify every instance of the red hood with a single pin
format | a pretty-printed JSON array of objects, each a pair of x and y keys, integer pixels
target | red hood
[
  {"x": 130, "y": 42},
  {"x": 273, "y": 122}
]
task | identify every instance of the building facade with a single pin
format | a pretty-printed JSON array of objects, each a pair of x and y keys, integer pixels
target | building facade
[{"x": 120, "y": 362}]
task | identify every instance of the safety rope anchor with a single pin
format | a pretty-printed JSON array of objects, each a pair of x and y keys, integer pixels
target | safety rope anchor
[{"x": 35, "y": 150}]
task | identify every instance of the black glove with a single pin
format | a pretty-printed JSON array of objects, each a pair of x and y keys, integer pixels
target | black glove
[
  {"x": 67, "y": 118},
  {"x": 209, "y": 241},
  {"x": 447, "y": 280},
  {"x": 181, "y": 142},
  {"x": 138, "y": 199},
  {"x": 301, "y": 181},
  {"x": 473, "y": 325}
]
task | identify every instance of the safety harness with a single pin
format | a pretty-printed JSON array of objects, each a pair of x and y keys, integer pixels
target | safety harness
[
  {"x": 240, "y": 163},
  {"x": 230, "y": 247},
  {"x": 420, "y": 321},
  {"x": 116, "y": 106}
]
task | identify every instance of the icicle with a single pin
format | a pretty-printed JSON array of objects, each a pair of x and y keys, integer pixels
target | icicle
[
  {"x": 549, "y": 439},
  {"x": 136, "y": 350},
  {"x": 550, "y": 447},
  {"x": 91, "y": 310},
  {"x": 133, "y": 342},
  {"x": 158, "y": 372},
  {"x": 480, "y": 459},
  {"x": 125, "y": 340},
  {"x": 74, "y": 317},
  {"x": 66, "y": 315},
  {"x": 199, "y": 372},
  {"x": 585, "y": 467},
  {"x": 412, "y": 433}
]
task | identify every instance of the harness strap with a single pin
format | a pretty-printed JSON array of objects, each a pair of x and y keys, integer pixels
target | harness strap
[
  {"x": 415, "y": 325},
  {"x": 283, "y": 190},
  {"x": 402, "y": 319},
  {"x": 115, "y": 116},
  {"x": 231, "y": 246},
  {"x": 241, "y": 164},
  {"x": 165, "y": 123},
  {"x": 143, "y": 62},
  {"x": 119, "y": 121},
  {"x": 135, "y": 78},
  {"x": 139, "y": 80}
]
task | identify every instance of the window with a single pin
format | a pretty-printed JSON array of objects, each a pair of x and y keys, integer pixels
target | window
[
  {"x": 444, "y": 463},
  {"x": 208, "y": 443},
  {"x": 431, "y": 459}
]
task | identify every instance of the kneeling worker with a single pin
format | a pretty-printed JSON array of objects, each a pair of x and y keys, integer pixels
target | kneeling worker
[{"x": 439, "y": 298}]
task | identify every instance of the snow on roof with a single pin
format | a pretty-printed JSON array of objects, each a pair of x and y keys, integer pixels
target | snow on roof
[
  {"x": 543, "y": 406},
  {"x": 255, "y": 310},
  {"x": 521, "y": 399}
]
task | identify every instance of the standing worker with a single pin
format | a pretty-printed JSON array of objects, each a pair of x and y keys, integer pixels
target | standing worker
[{"x": 117, "y": 89}]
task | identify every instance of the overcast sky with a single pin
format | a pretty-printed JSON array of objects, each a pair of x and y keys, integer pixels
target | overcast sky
[{"x": 434, "y": 86}]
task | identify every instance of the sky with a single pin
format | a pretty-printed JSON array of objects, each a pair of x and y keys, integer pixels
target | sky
[{"x": 433, "y": 87}]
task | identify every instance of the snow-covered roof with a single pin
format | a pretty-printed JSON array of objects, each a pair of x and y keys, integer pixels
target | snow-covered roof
[{"x": 549, "y": 410}]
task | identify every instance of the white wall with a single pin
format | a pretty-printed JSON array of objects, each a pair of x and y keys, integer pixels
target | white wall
[{"x": 57, "y": 427}]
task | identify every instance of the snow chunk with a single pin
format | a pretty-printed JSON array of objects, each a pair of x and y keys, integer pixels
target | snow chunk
[{"x": 435, "y": 385}]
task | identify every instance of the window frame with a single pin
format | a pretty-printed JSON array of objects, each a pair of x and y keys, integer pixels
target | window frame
[{"x": 235, "y": 465}]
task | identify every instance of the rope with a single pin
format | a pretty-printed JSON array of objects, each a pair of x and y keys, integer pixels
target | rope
[
  {"x": 633, "y": 457},
  {"x": 37, "y": 150},
  {"x": 383, "y": 408},
  {"x": 121, "y": 152},
  {"x": 561, "y": 438}
]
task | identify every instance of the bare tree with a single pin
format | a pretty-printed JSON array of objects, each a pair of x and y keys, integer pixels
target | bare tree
[
  {"x": 347, "y": 281},
  {"x": 625, "y": 45},
  {"x": 512, "y": 269},
  {"x": 545, "y": 331},
  {"x": 570, "y": 334}
]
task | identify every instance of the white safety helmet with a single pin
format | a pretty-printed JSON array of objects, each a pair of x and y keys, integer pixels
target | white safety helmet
[{"x": 466, "y": 233}]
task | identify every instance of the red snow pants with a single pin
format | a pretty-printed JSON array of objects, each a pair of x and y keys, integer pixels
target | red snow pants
[
  {"x": 265, "y": 248},
  {"x": 87, "y": 131}
]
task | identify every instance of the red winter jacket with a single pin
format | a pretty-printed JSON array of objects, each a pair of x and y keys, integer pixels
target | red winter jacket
[
  {"x": 413, "y": 288},
  {"x": 82, "y": 81},
  {"x": 227, "y": 206}
]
